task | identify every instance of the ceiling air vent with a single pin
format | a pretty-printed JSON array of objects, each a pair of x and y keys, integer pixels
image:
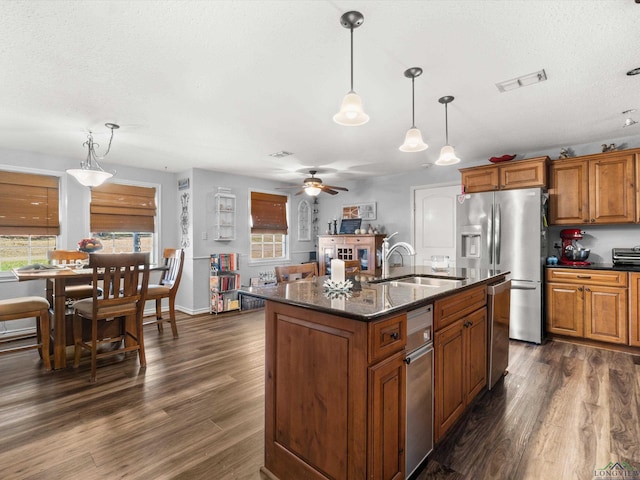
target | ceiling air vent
[
  {"x": 280, "y": 154},
  {"x": 523, "y": 81}
]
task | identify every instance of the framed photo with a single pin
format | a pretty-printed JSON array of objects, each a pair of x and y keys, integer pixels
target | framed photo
[
  {"x": 183, "y": 183},
  {"x": 364, "y": 211}
]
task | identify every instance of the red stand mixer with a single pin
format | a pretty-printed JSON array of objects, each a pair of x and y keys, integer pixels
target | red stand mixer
[{"x": 572, "y": 254}]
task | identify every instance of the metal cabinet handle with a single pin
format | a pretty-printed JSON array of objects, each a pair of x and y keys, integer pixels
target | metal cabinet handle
[
  {"x": 394, "y": 335},
  {"x": 579, "y": 289},
  {"x": 407, "y": 360},
  {"x": 587, "y": 289},
  {"x": 593, "y": 220},
  {"x": 583, "y": 276}
]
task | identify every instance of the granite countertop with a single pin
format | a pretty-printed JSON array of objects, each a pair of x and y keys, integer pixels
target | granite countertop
[
  {"x": 600, "y": 266},
  {"x": 369, "y": 299}
]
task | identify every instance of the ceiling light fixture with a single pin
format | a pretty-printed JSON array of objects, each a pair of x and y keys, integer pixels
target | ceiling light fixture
[
  {"x": 351, "y": 113},
  {"x": 447, "y": 153},
  {"x": 90, "y": 173},
  {"x": 413, "y": 139},
  {"x": 523, "y": 81}
]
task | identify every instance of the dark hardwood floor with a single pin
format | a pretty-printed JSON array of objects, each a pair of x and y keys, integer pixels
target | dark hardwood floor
[{"x": 197, "y": 412}]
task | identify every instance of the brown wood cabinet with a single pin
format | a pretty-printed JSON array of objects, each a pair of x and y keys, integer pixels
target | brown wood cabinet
[
  {"x": 593, "y": 189},
  {"x": 587, "y": 304},
  {"x": 460, "y": 345},
  {"x": 634, "y": 309},
  {"x": 365, "y": 248},
  {"x": 335, "y": 395},
  {"x": 505, "y": 176}
]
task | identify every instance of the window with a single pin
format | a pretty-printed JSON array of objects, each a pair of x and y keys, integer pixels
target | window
[
  {"x": 268, "y": 226},
  {"x": 123, "y": 217},
  {"x": 29, "y": 218}
]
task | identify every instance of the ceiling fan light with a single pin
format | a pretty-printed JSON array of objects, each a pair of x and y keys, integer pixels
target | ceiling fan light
[
  {"x": 351, "y": 113},
  {"x": 413, "y": 141},
  {"x": 89, "y": 177},
  {"x": 312, "y": 191},
  {"x": 447, "y": 156}
]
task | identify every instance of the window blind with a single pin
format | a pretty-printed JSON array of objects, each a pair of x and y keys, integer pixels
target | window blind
[
  {"x": 268, "y": 213},
  {"x": 122, "y": 208},
  {"x": 29, "y": 204}
]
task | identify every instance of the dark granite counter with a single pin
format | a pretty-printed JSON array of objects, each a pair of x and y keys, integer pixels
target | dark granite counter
[
  {"x": 372, "y": 297},
  {"x": 601, "y": 266}
]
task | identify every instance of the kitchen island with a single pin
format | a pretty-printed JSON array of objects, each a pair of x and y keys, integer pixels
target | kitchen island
[{"x": 335, "y": 371}]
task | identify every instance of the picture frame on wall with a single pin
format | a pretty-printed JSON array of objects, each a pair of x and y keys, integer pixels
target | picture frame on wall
[{"x": 364, "y": 211}]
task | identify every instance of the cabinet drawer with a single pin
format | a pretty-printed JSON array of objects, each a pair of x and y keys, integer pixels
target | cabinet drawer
[
  {"x": 387, "y": 337},
  {"x": 331, "y": 240},
  {"x": 450, "y": 309},
  {"x": 588, "y": 277},
  {"x": 355, "y": 240}
]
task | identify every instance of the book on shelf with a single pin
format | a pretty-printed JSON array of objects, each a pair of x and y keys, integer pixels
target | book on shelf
[{"x": 224, "y": 262}]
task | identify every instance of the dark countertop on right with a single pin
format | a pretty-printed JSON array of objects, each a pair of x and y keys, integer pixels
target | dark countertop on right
[{"x": 600, "y": 266}]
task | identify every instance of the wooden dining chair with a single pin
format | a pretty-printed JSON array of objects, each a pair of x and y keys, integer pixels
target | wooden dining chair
[
  {"x": 351, "y": 267},
  {"x": 173, "y": 261},
  {"x": 70, "y": 257},
  {"x": 288, "y": 273},
  {"x": 124, "y": 302},
  {"x": 27, "y": 307}
]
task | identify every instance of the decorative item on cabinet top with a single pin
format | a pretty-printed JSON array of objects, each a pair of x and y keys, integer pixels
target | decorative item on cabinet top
[{"x": 503, "y": 158}]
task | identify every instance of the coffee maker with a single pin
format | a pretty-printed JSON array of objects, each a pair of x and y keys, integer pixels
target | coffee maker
[{"x": 569, "y": 248}]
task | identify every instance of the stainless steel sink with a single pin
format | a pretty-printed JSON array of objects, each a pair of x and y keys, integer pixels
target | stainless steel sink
[{"x": 423, "y": 281}]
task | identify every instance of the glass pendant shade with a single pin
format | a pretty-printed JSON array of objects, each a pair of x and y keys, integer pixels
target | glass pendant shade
[
  {"x": 312, "y": 191},
  {"x": 88, "y": 177},
  {"x": 413, "y": 141},
  {"x": 351, "y": 113},
  {"x": 447, "y": 156}
]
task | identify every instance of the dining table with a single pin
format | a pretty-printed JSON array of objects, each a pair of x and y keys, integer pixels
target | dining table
[{"x": 57, "y": 278}]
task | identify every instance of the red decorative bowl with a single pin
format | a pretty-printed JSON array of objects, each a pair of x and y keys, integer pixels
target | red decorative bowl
[{"x": 503, "y": 158}]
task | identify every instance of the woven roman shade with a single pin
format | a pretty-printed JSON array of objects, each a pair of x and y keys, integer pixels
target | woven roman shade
[
  {"x": 29, "y": 204},
  {"x": 268, "y": 213},
  {"x": 122, "y": 208}
]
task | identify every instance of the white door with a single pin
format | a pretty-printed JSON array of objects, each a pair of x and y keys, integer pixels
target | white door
[{"x": 434, "y": 223}]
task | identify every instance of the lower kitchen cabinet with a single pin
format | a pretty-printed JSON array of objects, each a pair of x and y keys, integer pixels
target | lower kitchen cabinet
[
  {"x": 588, "y": 304},
  {"x": 460, "y": 358},
  {"x": 388, "y": 397},
  {"x": 334, "y": 395},
  {"x": 634, "y": 309}
]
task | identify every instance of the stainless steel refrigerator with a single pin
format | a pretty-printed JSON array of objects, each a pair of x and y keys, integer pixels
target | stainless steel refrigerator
[{"x": 506, "y": 230}]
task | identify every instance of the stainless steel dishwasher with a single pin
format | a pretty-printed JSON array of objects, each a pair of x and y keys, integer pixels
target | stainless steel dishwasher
[
  {"x": 419, "y": 414},
  {"x": 499, "y": 303}
]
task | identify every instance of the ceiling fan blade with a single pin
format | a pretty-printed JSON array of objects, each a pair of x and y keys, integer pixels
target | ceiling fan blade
[
  {"x": 326, "y": 189},
  {"x": 337, "y": 188},
  {"x": 301, "y": 191},
  {"x": 288, "y": 188}
]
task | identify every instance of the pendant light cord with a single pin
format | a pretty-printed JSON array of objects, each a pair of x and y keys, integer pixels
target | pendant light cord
[
  {"x": 413, "y": 103},
  {"x": 351, "y": 58},
  {"x": 446, "y": 123}
]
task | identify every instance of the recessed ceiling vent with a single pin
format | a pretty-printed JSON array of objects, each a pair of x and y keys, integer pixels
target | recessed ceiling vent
[
  {"x": 523, "y": 81},
  {"x": 280, "y": 154}
]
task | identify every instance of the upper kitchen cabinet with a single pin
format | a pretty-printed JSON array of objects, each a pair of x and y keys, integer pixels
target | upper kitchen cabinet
[
  {"x": 593, "y": 189},
  {"x": 506, "y": 176}
]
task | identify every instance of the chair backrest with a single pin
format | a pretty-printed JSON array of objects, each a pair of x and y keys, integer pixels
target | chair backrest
[
  {"x": 62, "y": 257},
  {"x": 173, "y": 259},
  {"x": 352, "y": 266},
  {"x": 119, "y": 274},
  {"x": 295, "y": 272}
]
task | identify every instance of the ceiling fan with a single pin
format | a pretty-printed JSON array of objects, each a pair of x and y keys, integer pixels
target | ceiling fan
[{"x": 313, "y": 186}]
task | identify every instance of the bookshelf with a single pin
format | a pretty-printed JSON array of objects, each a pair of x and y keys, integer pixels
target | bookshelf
[{"x": 224, "y": 281}]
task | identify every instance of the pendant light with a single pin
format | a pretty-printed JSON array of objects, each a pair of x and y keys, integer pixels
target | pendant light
[
  {"x": 351, "y": 113},
  {"x": 90, "y": 173},
  {"x": 413, "y": 139},
  {"x": 447, "y": 153}
]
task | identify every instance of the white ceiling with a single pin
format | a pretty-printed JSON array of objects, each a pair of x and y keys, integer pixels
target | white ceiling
[{"x": 222, "y": 84}]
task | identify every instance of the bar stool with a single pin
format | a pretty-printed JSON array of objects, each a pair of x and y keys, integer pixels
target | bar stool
[{"x": 27, "y": 307}]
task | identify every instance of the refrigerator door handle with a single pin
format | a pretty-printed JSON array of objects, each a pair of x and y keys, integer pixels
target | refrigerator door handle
[
  {"x": 498, "y": 233},
  {"x": 490, "y": 236}
]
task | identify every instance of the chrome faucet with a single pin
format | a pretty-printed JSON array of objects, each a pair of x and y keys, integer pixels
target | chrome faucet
[{"x": 387, "y": 251}]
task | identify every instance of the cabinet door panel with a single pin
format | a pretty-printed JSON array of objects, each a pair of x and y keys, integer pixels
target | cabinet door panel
[
  {"x": 634, "y": 309},
  {"x": 476, "y": 335},
  {"x": 523, "y": 175},
  {"x": 480, "y": 179},
  {"x": 611, "y": 190},
  {"x": 449, "y": 377},
  {"x": 565, "y": 309},
  {"x": 569, "y": 193},
  {"x": 386, "y": 438},
  {"x": 606, "y": 314}
]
